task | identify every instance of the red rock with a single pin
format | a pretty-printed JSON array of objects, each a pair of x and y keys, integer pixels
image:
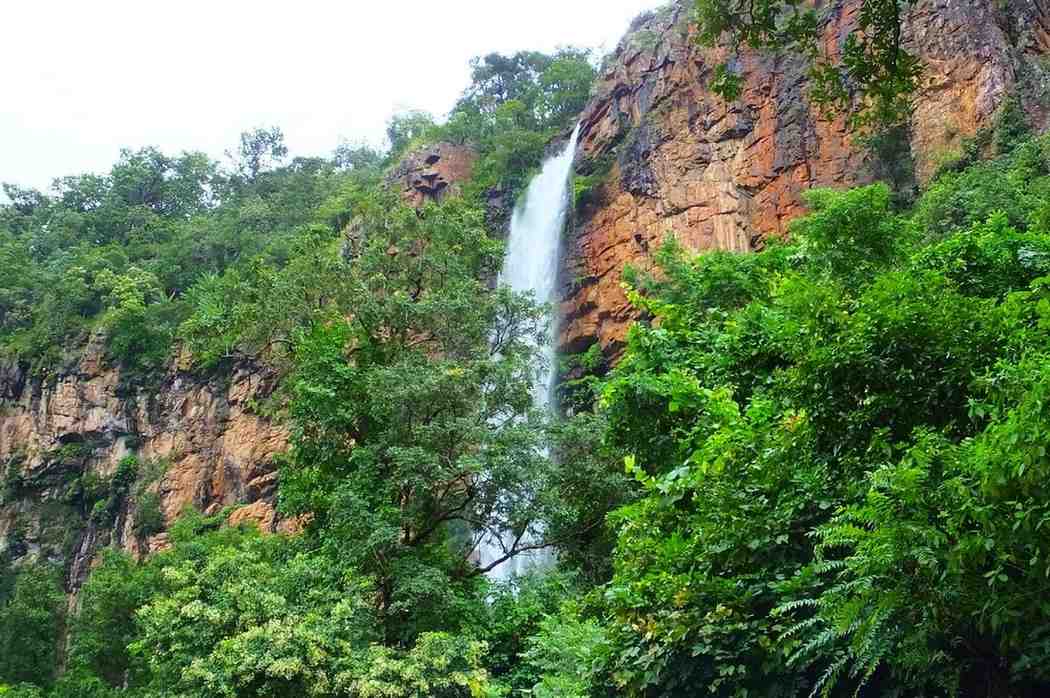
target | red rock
[
  {"x": 433, "y": 173},
  {"x": 726, "y": 176}
]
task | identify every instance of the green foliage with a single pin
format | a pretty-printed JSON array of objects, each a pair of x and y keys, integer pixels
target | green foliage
[
  {"x": 1011, "y": 127},
  {"x": 851, "y": 234},
  {"x": 568, "y": 654},
  {"x": 228, "y": 611},
  {"x": 829, "y": 457},
  {"x": 408, "y": 128},
  {"x": 149, "y": 519},
  {"x": 130, "y": 300},
  {"x": 892, "y": 161},
  {"x": 111, "y": 495},
  {"x": 120, "y": 252},
  {"x": 513, "y": 108},
  {"x": 22, "y": 690},
  {"x": 256, "y": 309},
  {"x": 410, "y": 405},
  {"x": 841, "y": 444},
  {"x": 553, "y": 89},
  {"x": 104, "y": 625},
  {"x": 237, "y": 610},
  {"x": 357, "y": 157},
  {"x": 31, "y": 618},
  {"x": 1015, "y": 185},
  {"x": 13, "y": 482},
  {"x": 438, "y": 665},
  {"x": 410, "y": 398},
  {"x": 260, "y": 150},
  {"x": 163, "y": 246},
  {"x": 873, "y": 77},
  {"x": 407, "y": 382}
]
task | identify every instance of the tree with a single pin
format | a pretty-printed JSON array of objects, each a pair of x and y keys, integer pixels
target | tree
[
  {"x": 260, "y": 150},
  {"x": 123, "y": 249},
  {"x": 130, "y": 299},
  {"x": 24, "y": 201},
  {"x": 405, "y": 128},
  {"x": 104, "y": 624},
  {"x": 565, "y": 86},
  {"x": 497, "y": 79},
  {"x": 167, "y": 186},
  {"x": 873, "y": 77},
  {"x": 228, "y": 611},
  {"x": 413, "y": 437},
  {"x": 356, "y": 156},
  {"x": 552, "y": 88},
  {"x": 30, "y": 622},
  {"x": 841, "y": 447},
  {"x": 512, "y": 109}
]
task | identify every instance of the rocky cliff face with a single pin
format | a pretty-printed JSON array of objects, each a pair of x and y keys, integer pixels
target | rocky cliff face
[
  {"x": 673, "y": 158},
  {"x": 199, "y": 442},
  {"x": 433, "y": 172}
]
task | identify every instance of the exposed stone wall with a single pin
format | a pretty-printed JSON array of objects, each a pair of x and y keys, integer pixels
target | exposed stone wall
[
  {"x": 209, "y": 431},
  {"x": 433, "y": 172},
  {"x": 725, "y": 175},
  {"x": 217, "y": 449}
]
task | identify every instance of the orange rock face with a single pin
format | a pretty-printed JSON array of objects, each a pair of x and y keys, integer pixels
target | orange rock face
[
  {"x": 719, "y": 175},
  {"x": 216, "y": 449},
  {"x": 433, "y": 172}
]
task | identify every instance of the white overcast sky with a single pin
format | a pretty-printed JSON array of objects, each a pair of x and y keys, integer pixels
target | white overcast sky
[{"x": 82, "y": 79}]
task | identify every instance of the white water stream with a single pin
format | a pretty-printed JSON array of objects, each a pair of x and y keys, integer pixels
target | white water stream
[{"x": 531, "y": 264}]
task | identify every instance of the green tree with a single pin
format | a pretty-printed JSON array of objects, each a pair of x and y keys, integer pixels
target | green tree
[
  {"x": 31, "y": 620},
  {"x": 228, "y": 611},
  {"x": 497, "y": 79},
  {"x": 260, "y": 149},
  {"x": 411, "y": 410},
  {"x": 873, "y": 77},
  {"x": 104, "y": 624},
  {"x": 131, "y": 300},
  {"x": 357, "y": 156},
  {"x": 839, "y": 445},
  {"x": 407, "y": 127}
]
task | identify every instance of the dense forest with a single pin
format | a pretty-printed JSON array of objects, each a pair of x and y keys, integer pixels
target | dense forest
[{"x": 817, "y": 469}]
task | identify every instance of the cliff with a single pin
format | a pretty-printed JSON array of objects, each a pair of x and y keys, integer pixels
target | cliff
[
  {"x": 199, "y": 442},
  {"x": 205, "y": 441},
  {"x": 433, "y": 172},
  {"x": 659, "y": 154},
  {"x": 91, "y": 455},
  {"x": 667, "y": 156}
]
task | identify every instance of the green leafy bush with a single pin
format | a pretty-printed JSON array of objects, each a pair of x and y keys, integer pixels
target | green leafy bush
[
  {"x": 31, "y": 617},
  {"x": 149, "y": 518},
  {"x": 841, "y": 444}
]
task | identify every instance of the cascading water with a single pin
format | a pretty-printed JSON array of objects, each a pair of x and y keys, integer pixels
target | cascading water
[{"x": 531, "y": 264}]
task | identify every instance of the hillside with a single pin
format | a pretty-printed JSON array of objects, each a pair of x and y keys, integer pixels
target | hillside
[{"x": 264, "y": 423}]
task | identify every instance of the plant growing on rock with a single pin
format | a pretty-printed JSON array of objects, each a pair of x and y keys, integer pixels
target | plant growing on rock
[{"x": 873, "y": 78}]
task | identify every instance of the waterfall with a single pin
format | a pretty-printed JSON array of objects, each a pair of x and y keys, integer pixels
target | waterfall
[{"x": 531, "y": 264}]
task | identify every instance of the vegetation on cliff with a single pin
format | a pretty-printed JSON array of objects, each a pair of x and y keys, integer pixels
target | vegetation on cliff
[
  {"x": 871, "y": 75},
  {"x": 123, "y": 251},
  {"x": 818, "y": 469},
  {"x": 139, "y": 250}
]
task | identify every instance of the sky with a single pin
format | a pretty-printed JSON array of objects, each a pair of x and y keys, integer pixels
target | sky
[{"x": 83, "y": 79}]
